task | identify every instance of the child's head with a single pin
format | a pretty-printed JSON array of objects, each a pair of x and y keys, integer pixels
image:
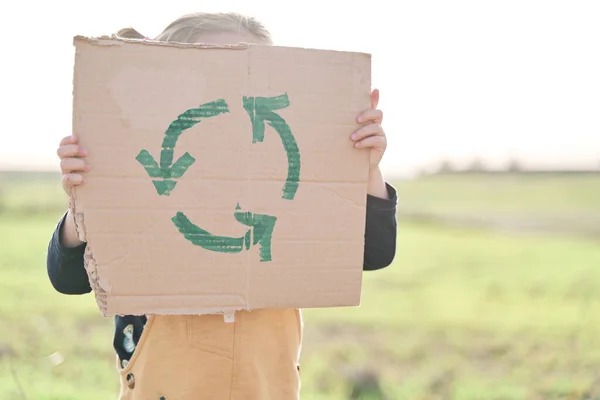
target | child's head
[{"x": 217, "y": 28}]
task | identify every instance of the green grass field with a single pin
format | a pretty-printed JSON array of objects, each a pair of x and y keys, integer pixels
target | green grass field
[
  {"x": 509, "y": 195},
  {"x": 461, "y": 314}
]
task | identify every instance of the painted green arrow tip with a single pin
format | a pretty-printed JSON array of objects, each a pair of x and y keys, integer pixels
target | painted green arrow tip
[
  {"x": 180, "y": 166},
  {"x": 262, "y": 234},
  {"x": 243, "y": 217},
  {"x": 149, "y": 164},
  {"x": 164, "y": 187}
]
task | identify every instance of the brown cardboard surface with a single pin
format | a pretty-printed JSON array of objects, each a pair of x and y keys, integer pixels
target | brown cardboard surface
[{"x": 227, "y": 232}]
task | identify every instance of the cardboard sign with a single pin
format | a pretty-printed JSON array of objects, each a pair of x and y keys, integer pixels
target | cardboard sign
[{"x": 222, "y": 177}]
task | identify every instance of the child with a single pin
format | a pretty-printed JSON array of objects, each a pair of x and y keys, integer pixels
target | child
[{"x": 203, "y": 357}]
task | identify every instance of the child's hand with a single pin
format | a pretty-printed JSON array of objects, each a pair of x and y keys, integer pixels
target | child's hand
[
  {"x": 371, "y": 135},
  {"x": 72, "y": 163}
]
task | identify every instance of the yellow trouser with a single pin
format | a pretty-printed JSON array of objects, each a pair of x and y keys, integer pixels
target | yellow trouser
[{"x": 204, "y": 357}]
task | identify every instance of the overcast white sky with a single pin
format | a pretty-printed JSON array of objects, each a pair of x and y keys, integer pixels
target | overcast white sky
[{"x": 458, "y": 78}]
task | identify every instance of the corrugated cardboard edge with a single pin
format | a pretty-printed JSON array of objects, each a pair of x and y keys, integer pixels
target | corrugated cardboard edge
[
  {"x": 113, "y": 40},
  {"x": 88, "y": 257},
  {"x": 89, "y": 261}
]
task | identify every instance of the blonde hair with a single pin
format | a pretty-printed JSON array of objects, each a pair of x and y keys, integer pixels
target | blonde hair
[{"x": 189, "y": 27}]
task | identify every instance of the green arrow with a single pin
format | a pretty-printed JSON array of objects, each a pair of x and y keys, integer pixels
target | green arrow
[
  {"x": 167, "y": 169},
  {"x": 260, "y": 233},
  {"x": 260, "y": 109}
]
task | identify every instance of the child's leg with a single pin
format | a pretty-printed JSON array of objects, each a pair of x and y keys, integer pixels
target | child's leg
[
  {"x": 203, "y": 357},
  {"x": 267, "y": 347},
  {"x": 165, "y": 365}
]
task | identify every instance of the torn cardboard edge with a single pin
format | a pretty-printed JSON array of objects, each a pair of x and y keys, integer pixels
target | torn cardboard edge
[
  {"x": 89, "y": 262},
  {"x": 114, "y": 40}
]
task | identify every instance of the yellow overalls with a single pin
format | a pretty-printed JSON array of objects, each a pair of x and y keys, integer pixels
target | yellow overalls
[{"x": 204, "y": 357}]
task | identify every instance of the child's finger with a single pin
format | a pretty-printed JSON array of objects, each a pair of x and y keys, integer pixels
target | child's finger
[
  {"x": 372, "y": 142},
  {"x": 69, "y": 165},
  {"x": 371, "y": 115},
  {"x": 70, "y": 180},
  {"x": 70, "y": 150},
  {"x": 68, "y": 140},
  {"x": 367, "y": 130},
  {"x": 374, "y": 98}
]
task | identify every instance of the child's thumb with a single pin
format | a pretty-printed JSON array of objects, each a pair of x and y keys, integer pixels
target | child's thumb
[{"x": 374, "y": 98}]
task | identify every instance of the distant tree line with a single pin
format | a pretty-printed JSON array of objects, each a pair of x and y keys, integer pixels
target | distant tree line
[{"x": 477, "y": 165}]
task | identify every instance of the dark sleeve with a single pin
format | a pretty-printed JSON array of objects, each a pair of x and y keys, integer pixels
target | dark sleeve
[
  {"x": 65, "y": 265},
  {"x": 380, "y": 231}
]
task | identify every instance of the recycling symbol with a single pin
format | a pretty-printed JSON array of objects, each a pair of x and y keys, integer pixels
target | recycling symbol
[{"x": 261, "y": 111}]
